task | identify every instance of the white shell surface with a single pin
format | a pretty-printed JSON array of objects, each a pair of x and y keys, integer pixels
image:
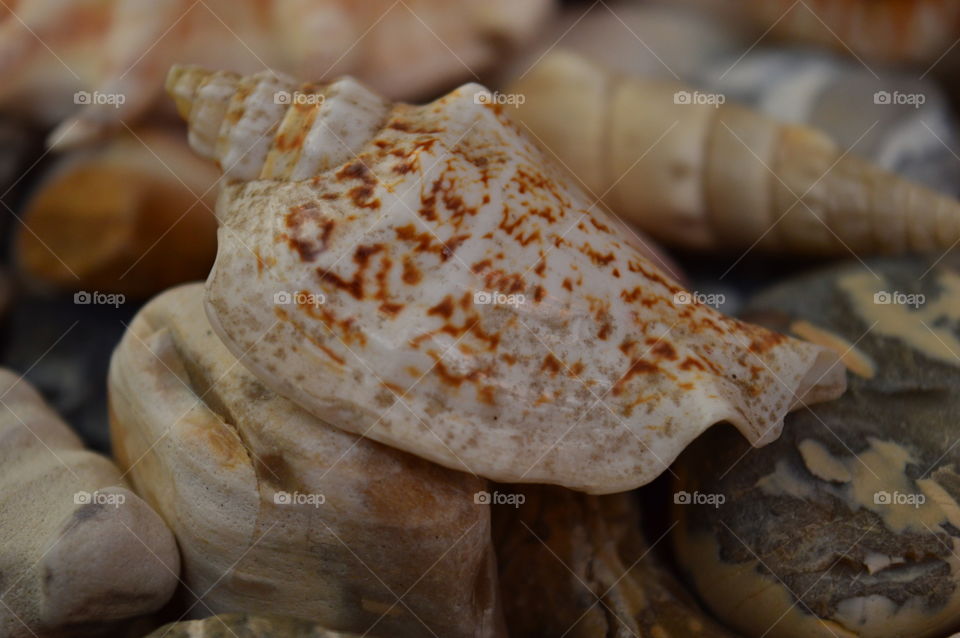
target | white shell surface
[{"x": 445, "y": 292}]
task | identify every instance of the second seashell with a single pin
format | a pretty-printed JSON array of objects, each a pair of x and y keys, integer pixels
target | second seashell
[
  {"x": 132, "y": 216},
  {"x": 703, "y": 174}
]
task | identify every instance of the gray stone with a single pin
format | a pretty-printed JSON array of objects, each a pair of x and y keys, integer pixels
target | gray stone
[{"x": 849, "y": 524}]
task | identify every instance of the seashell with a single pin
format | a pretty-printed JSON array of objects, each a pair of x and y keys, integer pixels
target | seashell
[
  {"x": 637, "y": 38},
  {"x": 889, "y": 31},
  {"x": 421, "y": 275},
  {"x": 714, "y": 176},
  {"x": 133, "y": 216},
  {"x": 902, "y": 124},
  {"x": 848, "y": 524},
  {"x": 321, "y": 524},
  {"x": 76, "y": 546},
  {"x": 110, "y": 55},
  {"x": 579, "y": 566},
  {"x": 246, "y": 626}
]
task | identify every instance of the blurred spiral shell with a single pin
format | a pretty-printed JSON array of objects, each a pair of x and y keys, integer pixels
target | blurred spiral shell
[{"x": 106, "y": 58}]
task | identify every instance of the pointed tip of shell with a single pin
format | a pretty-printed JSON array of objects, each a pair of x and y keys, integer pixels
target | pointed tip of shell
[
  {"x": 891, "y": 216},
  {"x": 183, "y": 81}
]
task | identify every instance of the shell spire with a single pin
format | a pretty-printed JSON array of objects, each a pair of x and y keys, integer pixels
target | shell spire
[
  {"x": 722, "y": 177},
  {"x": 269, "y": 126},
  {"x": 423, "y": 276}
]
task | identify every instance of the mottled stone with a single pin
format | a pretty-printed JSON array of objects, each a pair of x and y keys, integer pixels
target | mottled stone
[
  {"x": 577, "y": 565},
  {"x": 849, "y": 524},
  {"x": 248, "y": 626},
  {"x": 277, "y": 512}
]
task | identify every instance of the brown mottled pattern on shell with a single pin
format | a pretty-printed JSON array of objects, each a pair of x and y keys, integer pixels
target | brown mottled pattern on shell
[{"x": 448, "y": 199}]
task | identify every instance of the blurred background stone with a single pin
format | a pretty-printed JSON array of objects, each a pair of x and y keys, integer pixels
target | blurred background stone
[
  {"x": 133, "y": 215},
  {"x": 248, "y": 626}
]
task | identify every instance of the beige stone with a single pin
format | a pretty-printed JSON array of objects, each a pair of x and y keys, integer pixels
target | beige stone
[
  {"x": 278, "y": 513},
  {"x": 76, "y": 545}
]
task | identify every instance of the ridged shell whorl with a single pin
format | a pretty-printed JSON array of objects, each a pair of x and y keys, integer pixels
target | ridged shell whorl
[{"x": 269, "y": 126}]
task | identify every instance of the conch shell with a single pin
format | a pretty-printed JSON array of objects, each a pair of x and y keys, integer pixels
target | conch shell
[
  {"x": 278, "y": 513},
  {"x": 110, "y": 55},
  {"x": 712, "y": 176},
  {"x": 421, "y": 275}
]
